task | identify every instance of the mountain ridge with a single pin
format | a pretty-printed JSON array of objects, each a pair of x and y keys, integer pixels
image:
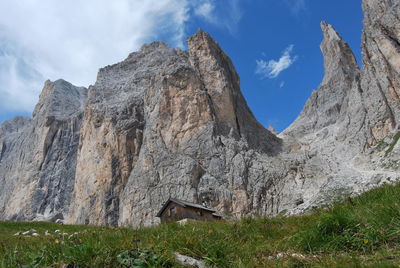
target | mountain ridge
[{"x": 166, "y": 122}]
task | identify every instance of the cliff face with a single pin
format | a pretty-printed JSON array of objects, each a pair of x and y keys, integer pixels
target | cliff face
[
  {"x": 171, "y": 123},
  {"x": 328, "y": 106},
  {"x": 347, "y": 125},
  {"x": 157, "y": 125},
  {"x": 38, "y": 155},
  {"x": 381, "y": 60}
]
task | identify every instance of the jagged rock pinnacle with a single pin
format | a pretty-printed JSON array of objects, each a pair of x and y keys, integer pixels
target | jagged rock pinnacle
[{"x": 339, "y": 60}]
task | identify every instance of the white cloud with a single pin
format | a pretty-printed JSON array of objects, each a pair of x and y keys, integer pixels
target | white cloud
[
  {"x": 296, "y": 6},
  {"x": 19, "y": 84},
  {"x": 282, "y": 84},
  {"x": 205, "y": 9},
  {"x": 72, "y": 39},
  {"x": 234, "y": 15},
  {"x": 223, "y": 14},
  {"x": 273, "y": 68}
]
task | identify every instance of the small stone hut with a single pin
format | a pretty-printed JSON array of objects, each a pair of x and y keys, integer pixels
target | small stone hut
[{"x": 176, "y": 210}]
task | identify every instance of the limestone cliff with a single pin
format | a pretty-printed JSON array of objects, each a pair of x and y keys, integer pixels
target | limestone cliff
[
  {"x": 347, "y": 126},
  {"x": 171, "y": 123},
  {"x": 380, "y": 80},
  {"x": 158, "y": 125},
  {"x": 38, "y": 155}
]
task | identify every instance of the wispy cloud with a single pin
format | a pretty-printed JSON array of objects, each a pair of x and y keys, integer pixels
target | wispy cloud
[
  {"x": 273, "y": 68},
  {"x": 72, "y": 39},
  {"x": 223, "y": 14},
  {"x": 234, "y": 15},
  {"x": 206, "y": 9},
  {"x": 296, "y": 6},
  {"x": 20, "y": 84}
]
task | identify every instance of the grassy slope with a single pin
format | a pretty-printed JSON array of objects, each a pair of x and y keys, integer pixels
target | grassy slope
[{"x": 362, "y": 232}]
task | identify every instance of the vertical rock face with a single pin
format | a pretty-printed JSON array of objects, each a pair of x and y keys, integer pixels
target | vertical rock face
[
  {"x": 12, "y": 139},
  {"x": 381, "y": 60},
  {"x": 223, "y": 86},
  {"x": 326, "y": 105},
  {"x": 171, "y": 123},
  {"x": 155, "y": 126},
  {"x": 352, "y": 111},
  {"x": 38, "y": 155}
]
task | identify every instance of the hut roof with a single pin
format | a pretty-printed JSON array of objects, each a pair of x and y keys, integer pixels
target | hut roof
[{"x": 183, "y": 204}]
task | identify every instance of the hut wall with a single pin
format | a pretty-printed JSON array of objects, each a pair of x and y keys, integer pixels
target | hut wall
[{"x": 185, "y": 213}]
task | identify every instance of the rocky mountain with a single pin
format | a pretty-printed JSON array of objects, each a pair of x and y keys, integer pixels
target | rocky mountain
[
  {"x": 171, "y": 123},
  {"x": 38, "y": 155}
]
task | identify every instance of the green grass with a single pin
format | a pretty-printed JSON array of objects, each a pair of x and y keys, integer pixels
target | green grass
[{"x": 362, "y": 232}]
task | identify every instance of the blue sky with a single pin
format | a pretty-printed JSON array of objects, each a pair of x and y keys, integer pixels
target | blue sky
[{"x": 274, "y": 44}]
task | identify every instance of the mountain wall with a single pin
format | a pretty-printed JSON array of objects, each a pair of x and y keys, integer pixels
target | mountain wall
[
  {"x": 38, "y": 155},
  {"x": 171, "y": 123}
]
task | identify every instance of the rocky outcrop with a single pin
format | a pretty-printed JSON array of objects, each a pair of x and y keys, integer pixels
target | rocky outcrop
[
  {"x": 381, "y": 67},
  {"x": 157, "y": 125},
  {"x": 328, "y": 106},
  {"x": 347, "y": 125},
  {"x": 38, "y": 155},
  {"x": 171, "y": 123}
]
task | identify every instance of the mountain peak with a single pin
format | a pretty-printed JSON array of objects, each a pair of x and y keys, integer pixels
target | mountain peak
[
  {"x": 338, "y": 57},
  {"x": 60, "y": 99},
  {"x": 329, "y": 32}
]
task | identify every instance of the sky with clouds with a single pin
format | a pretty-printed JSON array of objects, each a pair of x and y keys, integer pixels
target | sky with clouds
[
  {"x": 273, "y": 68},
  {"x": 274, "y": 44}
]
